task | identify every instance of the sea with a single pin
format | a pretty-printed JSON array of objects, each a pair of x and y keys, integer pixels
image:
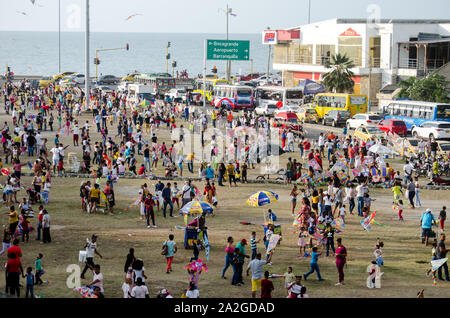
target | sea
[{"x": 36, "y": 53}]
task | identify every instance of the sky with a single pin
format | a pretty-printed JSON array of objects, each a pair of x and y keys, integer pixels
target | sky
[{"x": 202, "y": 16}]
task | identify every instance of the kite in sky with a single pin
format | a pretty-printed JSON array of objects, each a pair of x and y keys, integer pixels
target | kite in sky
[
  {"x": 132, "y": 16},
  {"x": 21, "y": 12}
]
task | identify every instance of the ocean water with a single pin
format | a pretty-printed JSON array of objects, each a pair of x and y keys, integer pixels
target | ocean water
[{"x": 36, "y": 53}]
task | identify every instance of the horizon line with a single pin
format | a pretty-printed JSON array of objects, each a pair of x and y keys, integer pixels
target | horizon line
[{"x": 123, "y": 32}]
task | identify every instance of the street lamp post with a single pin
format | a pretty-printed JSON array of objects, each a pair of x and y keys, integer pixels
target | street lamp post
[
  {"x": 228, "y": 62},
  {"x": 86, "y": 76},
  {"x": 268, "y": 61},
  {"x": 59, "y": 36}
]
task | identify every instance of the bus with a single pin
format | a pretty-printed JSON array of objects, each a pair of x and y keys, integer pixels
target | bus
[
  {"x": 325, "y": 102},
  {"x": 232, "y": 97},
  {"x": 415, "y": 113},
  {"x": 210, "y": 84},
  {"x": 160, "y": 82},
  {"x": 265, "y": 95}
]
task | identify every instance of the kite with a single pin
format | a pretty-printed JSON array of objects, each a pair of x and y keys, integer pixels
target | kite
[
  {"x": 368, "y": 221},
  {"x": 197, "y": 266},
  {"x": 132, "y": 16},
  {"x": 85, "y": 292},
  {"x": 435, "y": 264},
  {"x": 21, "y": 12},
  {"x": 274, "y": 238}
]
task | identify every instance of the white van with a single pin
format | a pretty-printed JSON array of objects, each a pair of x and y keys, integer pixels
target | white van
[{"x": 138, "y": 92}]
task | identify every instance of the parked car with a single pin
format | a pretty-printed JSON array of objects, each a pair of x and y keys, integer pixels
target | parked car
[
  {"x": 363, "y": 120},
  {"x": 105, "y": 89},
  {"x": 46, "y": 81},
  {"x": 107, "y": 79},
  {"x": 267, "y": 109},
  {"x": 368, "y": 132},
  {"x": 176, "y": 93},
  {"x": 432, "y": 129},
  {"x": 308, "y": 115},
  {"x": 288, "y": 109},
  {"x": 336, "y": 118},
  {"x": 123, "y": 87},
  {"x": 78, "y": 78},
  {"x": 443, "y": 149},
  {"x": 287, "y": 120},
  {"x": 394, "y": 126},
  {"x": 62, "y": 75}
]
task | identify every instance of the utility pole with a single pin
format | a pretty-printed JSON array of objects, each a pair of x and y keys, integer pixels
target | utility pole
[
  {"x": 167, "y": 57},
  {"x": 228, "y": 62},
  {"x": 309, "y": 11},
  {"x": 86, "y": 75},
  {"x": 268, "y": 60},
  {"x": 59, "y": 36},
  {"x": 251, "y": 69}
]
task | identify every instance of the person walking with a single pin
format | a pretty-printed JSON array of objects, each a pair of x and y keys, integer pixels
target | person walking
[
  {"x": 442, "y": 217},
  {"x": 167, "y": 197},
  {"x": 426, "y": 221},
  {"x": 91, "y": 250},
  {"x": 14, "y": 270},
  {"x": 256, "y": 266},
  {"x": 314, "y": 265},
  {"x": 229, "y": 249},
  {"x": 240, "y": 257},
  {"x": 441, "y": 252},
  {"x": 169, "y": 250},
  {"x": 46, "y": 238},
  {"x": 341, "y": 255}
]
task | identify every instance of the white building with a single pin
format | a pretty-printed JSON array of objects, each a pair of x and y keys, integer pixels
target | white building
[{"x": 396, "y": 49}]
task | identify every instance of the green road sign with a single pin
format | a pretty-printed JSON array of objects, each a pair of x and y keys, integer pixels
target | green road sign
[{"x": 229, "y": 50}]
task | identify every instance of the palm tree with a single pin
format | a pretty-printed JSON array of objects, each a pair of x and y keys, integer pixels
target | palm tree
[{"x": 339, "y": 79}]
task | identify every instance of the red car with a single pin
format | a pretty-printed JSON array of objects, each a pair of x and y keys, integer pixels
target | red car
[
  {"x": 393, "y": 126},
  {"x": 287, "y": 120}
]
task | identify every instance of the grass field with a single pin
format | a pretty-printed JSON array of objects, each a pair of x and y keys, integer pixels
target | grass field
[{"x": 405, "y": 257}]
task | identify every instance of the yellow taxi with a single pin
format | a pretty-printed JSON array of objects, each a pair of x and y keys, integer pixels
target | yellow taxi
[
  {"x": 368, "y": 132},
  {"x": 62, "y": 75},
  {"x": 129, "y": 77},
  {"x": 443, "y": 149},
  {"x": 46, "y": 81},
  {"x": 308, "y": 115}
]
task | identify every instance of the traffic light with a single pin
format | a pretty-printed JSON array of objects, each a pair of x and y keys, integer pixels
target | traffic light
[
  {"x": 214, "y": 70},
  {"x": 128, "y": 47},
  {"x": 168, "y": 56},
  {"x": 96, "y": 61},
  {"x": 174, "y": 64},
  {"x": 168, "y": 44}
]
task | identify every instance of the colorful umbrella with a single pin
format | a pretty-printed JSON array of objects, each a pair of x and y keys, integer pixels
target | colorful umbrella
[
  {"x": 262, "y": 198},
  {"x": 197, "y": 207},
  {"x": 147, "y": 103}
]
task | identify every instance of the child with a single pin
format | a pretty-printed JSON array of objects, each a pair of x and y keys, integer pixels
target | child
[
  {"x": 400, "y": 209},
  {"x": 342, "y": 212},
  {"x": 314, "y": 264},
  {"x": 302, "y": 241},
  {"x": 266, "y": 286},
  {"x": 38, "y": 268},
  {"x": 30, "y": 283},
  {"x": 253, "y": 243},
  {"x": 295, "y": 288},
  {"x": 379, "y": 254},
  {"x": 196, "y": 246},
  {"x": 367, "y": 202},
  {"x": 289, "y": 278},
  {"x": 25, "y": 227},
  {"x": 329, "y": 234}
]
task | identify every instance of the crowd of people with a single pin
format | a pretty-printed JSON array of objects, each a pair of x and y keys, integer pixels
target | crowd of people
[{"x": 123, "y": 140}]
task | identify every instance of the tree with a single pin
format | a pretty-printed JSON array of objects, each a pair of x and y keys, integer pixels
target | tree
[
  {"x": 432, "y": 88},
  {"x": 339, "y": 79}
]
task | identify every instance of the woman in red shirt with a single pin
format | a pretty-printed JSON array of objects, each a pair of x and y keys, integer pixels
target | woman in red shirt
[{"x": 13, "y": 270}]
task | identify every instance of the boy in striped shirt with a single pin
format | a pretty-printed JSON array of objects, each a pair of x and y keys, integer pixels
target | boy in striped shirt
[{"x": 253, "y": 243}]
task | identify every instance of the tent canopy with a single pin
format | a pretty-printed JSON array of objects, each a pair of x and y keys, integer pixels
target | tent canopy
[{"x": 310, "y": 87}]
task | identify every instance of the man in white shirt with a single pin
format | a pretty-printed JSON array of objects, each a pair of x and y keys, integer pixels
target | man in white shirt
[
  {"x": 91, "y": 250},
  {"x": 290, "y": 140},
  {"x": 407, "y": 169},
  {"x": 321, "y": 144},
  {"x": 55, "y": 158},
  {"x": 360, "y": 191}
]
